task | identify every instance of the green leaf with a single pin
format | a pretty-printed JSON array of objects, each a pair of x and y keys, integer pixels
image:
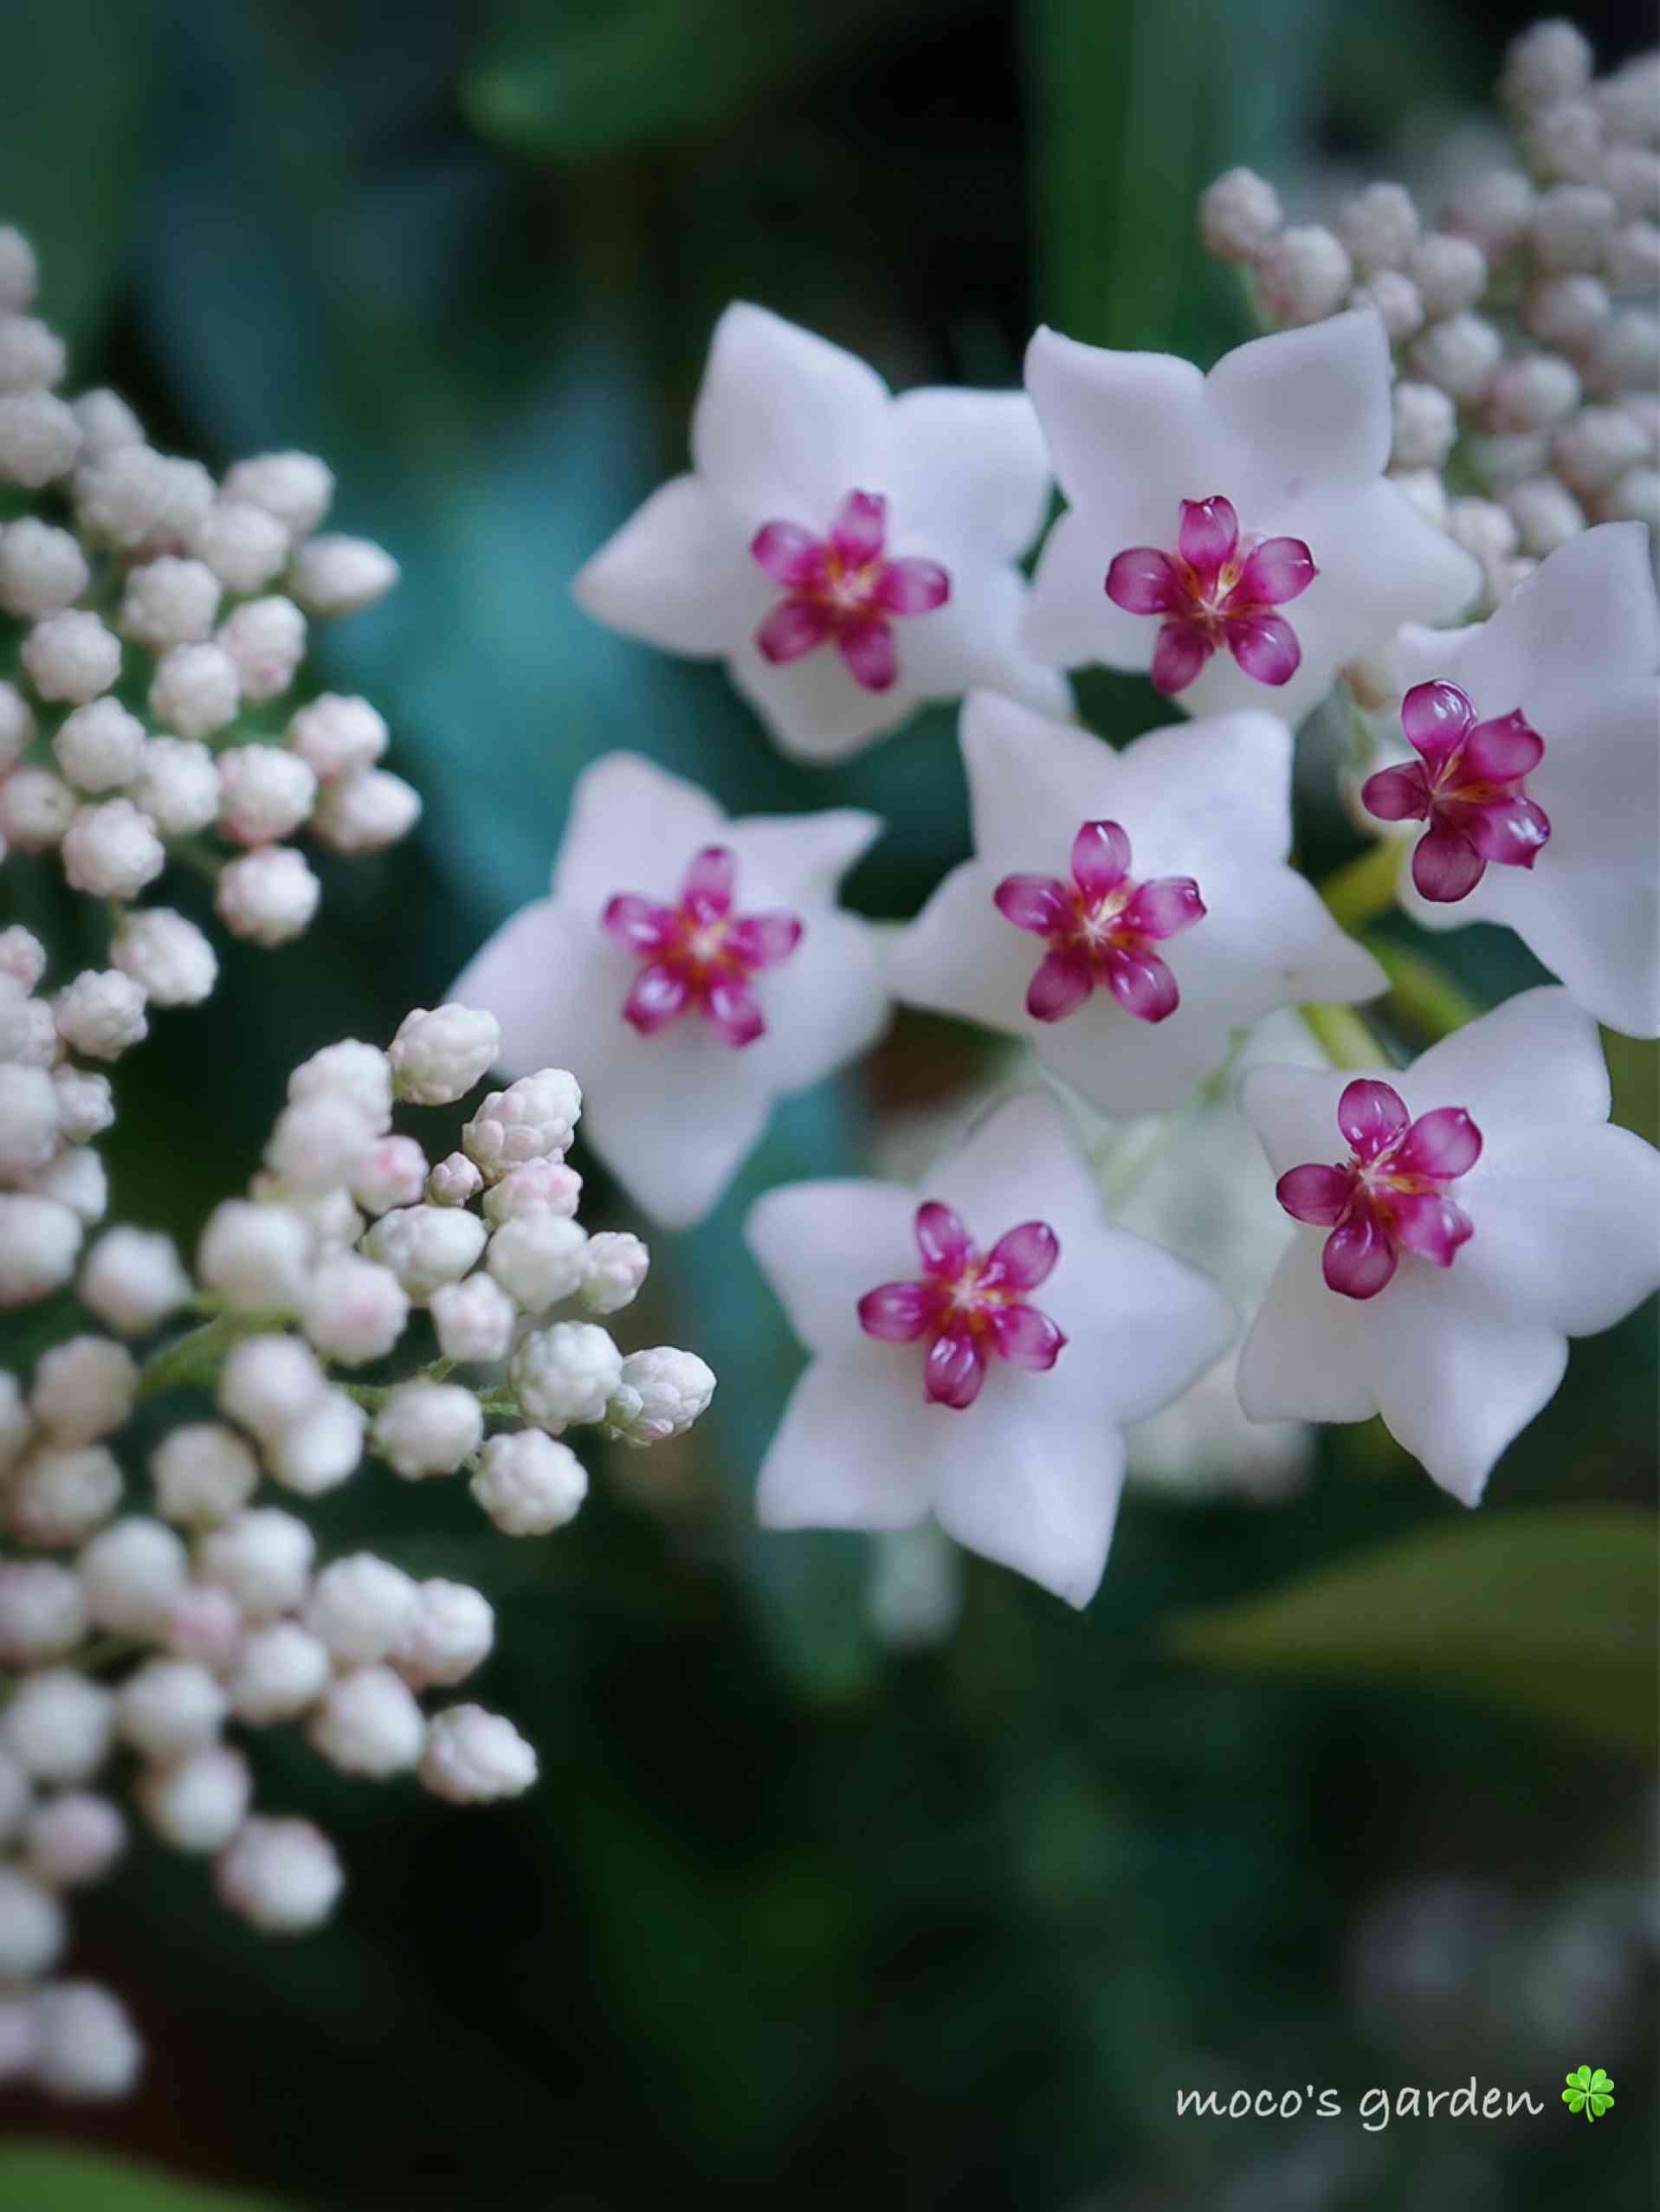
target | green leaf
[
  {"x": 48, "y": 2177},
  {"x": 1549, "y": 1613}
]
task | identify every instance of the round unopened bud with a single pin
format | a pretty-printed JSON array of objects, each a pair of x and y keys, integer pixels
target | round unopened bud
[
  {"x": 105, "y": 422},
  {"x": 540, "y": 1186},
  {"x": 1635, "y": 497},
  {"x": 528, "y": 1483},
  {"x": 1546, "y": 514},
  {"x": 73, "y": 1839},
  {"x": 131, "y": 1574},
  {"x": 100, "y": 747},
  {"x": 203, "y": 1624},
  {"x": 139, "y": 501},
  {"x": 265, "y": 792},
  {"x": 614, "y": 1266},
  {"x": 1461, "y": 355},
  {"x": 1628, "y": 101},
  {"x": 133, "y": 1278},
  {"x": 448, "y": 1636},
  {"x": 1625, "y": 357},
  {"x": 268, "y": 1383},
  {"x": 1239, "y": 216},
  {"x": 538, "y": 1259},
  {"x": 169, "y": 1707},
  {"x": 1304, "y": 275},
  {"x": 475, "y": 1319},
  {"x": 195, "y": 689},
  {"x": 32, "y": 1926},
  {"x": 661, "y": 1393},
  {"x": 1633, "y": 262},
  {"x": 1380, "y": 227},
  {"x": 393, "y": 1174},
  {"x": 72, "y": 656},
  {"x": 58, "y": 1497},
  {"x": 317, "y": 1452},
  {"x": 76, "y": 1179},
  {"x": 167, "y": 955},
  {"x": 564, "y": 1374},
  {"x": 361, "y": 1608},
  {"x": 112, "y": 851},
  {"x": 352, "y": 1070},
  {"x": 296, "y": 487},
  {"x": 39, "y": 438},
  {"x": 84, "y": 2045},
  {"x": 1533, "y": 393},
  {"x": 39, "y": 1243},
  {"x": 453, "y": 1182},
  {"x": 198, "y": 1802},
  {"x": 254, "y": 1255},
  {"x": 1484, "y": 530},
  {"x": 43, "y": 569},
  {"x": 533, "y": 1118},
  {"x": 474, "y": 1756},
  {"x": 365, "y": 813},
  {"x": 279, "y": 1671},
  {"x": 42, "y": 1615},
  {"x": 36, "y": 809},
  {"x": 354, "y": 1309},
  {"x": 82, "y": 1390},
  {"x": 319, "y": 1144},
  {"x": 28, "y": 1119},
  {"x": 426, "y": 1246},
  {"x": 438, "y": 1054},
  {"x": 334, "y": 577},
  {"x": 170, "y": 602},
  {"x": 282, "y": 1876},
  {"x": 242, "y": 544},
  {"x": 367, "y": 1722},
  {"x": 177, "y": 785},
  {"x": 265, "y": 638},
  {"x": 263, "y": 1557},
  {"x": 1397, "y": 301},
  {"x": 1449, "y": 272},
  {"x": 338, "y": 736},
  {"x": 1550, "y": 62},
  {"x": 427, "y": 1429},
  {"x": 203, "y": 1474},
  {"x": 1594, "y": 450},
  {"x": 57, "y": 1725},
  {"x": 31, "y": 356},
  {"x": 268, "y": 895},
  {"x": 1572, "y": 227},
  {"x": 1565, "y": 311}
]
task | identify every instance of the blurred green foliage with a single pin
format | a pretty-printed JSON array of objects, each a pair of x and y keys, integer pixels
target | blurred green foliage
[{"x": 792, "y": 1918}]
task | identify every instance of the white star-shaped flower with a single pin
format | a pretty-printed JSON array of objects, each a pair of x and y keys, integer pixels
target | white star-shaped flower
[
  {"x": 1232, "y": 534},
  {"x": 694, "y": 969},
  {"x": 1487, "y": 1213},
  {"x": 979, "y": 1344},
  {"x": 1564, "y": 675},
  {"x": 848, "y": 554},
  {"x": 1125, "y": 911}
]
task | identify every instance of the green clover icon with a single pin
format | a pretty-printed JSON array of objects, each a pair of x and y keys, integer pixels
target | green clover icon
[{"x": 1588, "y": 2092}]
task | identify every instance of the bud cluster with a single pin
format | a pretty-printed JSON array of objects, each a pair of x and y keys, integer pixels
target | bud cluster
[
  {"x": 1523, "y": 319},
  {"x": 156, "y": 1611}
]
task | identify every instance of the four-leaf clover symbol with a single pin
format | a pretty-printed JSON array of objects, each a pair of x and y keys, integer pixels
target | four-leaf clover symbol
[{"x": 1588, "y": 2092}]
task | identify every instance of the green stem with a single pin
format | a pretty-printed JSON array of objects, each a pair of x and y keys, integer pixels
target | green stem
[
  {"x": 1365, "y": 887},
  {"x": 1425, "y": 996},
  {"x": 1343, "y": 1036},
  {"x": 192, "y": 1361},
  {"x": 191, "y": 852}
]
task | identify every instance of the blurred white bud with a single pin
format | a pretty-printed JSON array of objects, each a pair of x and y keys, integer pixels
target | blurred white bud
[
  {"x": 268, "y": 895},
  {"x": 366, "y": 812},
  {"x": 361, "y": 1608},
  {"x": 1625, "y": 354},
  {"x": 353, "y": 1309},
  {"x": 112, "y": 851},
  {"x": 1549, "y": 62},
  {"x": 32, "y": 1926},
  {"x": 43, "y": 569},
  {"x": 268, "y": 1382},
  {"x": 474, "y": 1756},
  {"x": 319, "y": 1451},
  {"x": 279, "y": 1671},
  {"x": 319, "y": 1144},
  {"x": 57, "y": 1725},
  {"x": 1397, "y": 301},
  {"x": 1635, "y": 497},
  {"x": 28, "y": 1119},
  {"x": 82, "y": 1390},
  {"x": 1304, "y": 275},
  {"x": 105, "y": 422},
  {"x": 1566, "y": 311},
  {"x": 528, "y": 1483},
  {"x": 203, "y": 1624},
  {"x": 31, "y": 355},
  {"x": 1594, "y": 450},
  {"x": 36, "y": 809},
  {"x": 334, "y": 577},
  {"x": 448, "y": 1636},
  {"x": 1380, "y": 227},
  {"x": 474, "y": 1319},
  {"x": 1427, "y": 425},
  {"x": 40, "y": 1241},
  {"x": 39, "y": 438},
  {"x": 349, "y": 1069},
  {"x": 16, "y": 727},
  {"x": 73, "y": 1839},
  {"x": 367, "y": 1722},
  {"x": 132, "y": 1573},
  {"x": 133, "y": 1278},
  {"x": 266, "y": 639},
  {"x": 265, "y": 792},
  {"x": 1239, "y": 216},
  {"x": 170, "y": 602},
  {"x": 76, "y": 1178},
  {"x": 282, "y": 1876},
  {"x": 168, "y": 1707},
  {"x": 72, "y": 657},
  {"x": 1572, "y": 227},
  {"x": 254, "y": 1255},
  {"x": 19, "y": 274},
  {"x": 244, "y": 546},
  {"x": 166, "y": 955},
  {"x": 1563, "y": 143},
  {"x": 84, "y": 2045},
  {"x": 58, "y": 1497},
  {"x": 296, "y": 487},
  {"x": 1546, "y": 514},
  {"x": 42, "y": 1615},
  {"x": 139, "y": 501},
  {"x": 177, "y": 785},
  {"x": 1482, "y": 528},
  {"x": 195, "y": 689},
  {"x": 1633, "y": 263},
  {"x": 538, "y": 1259},
  {"x": 1461, "y": 355},
  {"x": 428, "y": 1429},
  {"x": 1533, "y": 393},
  {"x": 100, "y": 747},
  {"x": 202, "y": 1473},
  {"x": 198, "y": 1802},
  {"x": 263, "y": 1557}
]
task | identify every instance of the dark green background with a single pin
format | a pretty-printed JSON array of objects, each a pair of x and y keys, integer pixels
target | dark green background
[{"x": 791, "y": 1921}]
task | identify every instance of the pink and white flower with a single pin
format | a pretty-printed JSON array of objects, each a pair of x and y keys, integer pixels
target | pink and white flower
[
  {"x": 1158, "y": 880},
  {"x": 1233, "y": 534},
  {"x": 1561, "y": 685},
  {"x": 979, "y": 1345},
  {"x": 848, "y": 554},
  {"x": 704, "y": 963},
  {"x": 1486, "y": 1212}
]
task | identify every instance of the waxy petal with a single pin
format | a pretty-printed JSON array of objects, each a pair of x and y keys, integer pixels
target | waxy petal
[
  {"x": 707, "y": 887},
  {"x": 1513, "y": 832},
  {"x": 762, "y": 940},
  {"x": 658, "y": 996},
  {"x": 1446, "y": 866},
  {"x": 1037, "y": 903},
  {"x": 1061, "y": 985},
  {"x": 1371, "y": 1115},
  {"x": 1027, "y": 1338},
  {"x": 866, "y": 647},
  {"x": 1182, "y": 650},
  {"x": 896, "y": 1312},
  {"x": 1141, "y": 984},
  {"x": 638, "y": 925},
  {"x": 789, "y": 554},
  {"x": 1100, "y": 858},
  {"x": 1435, "y": 717},
  {"x": 1431, "y": 1226},
  {"x": 1142, "y": 580},
  {"x": 794, "y": 627},
  {"x": 1163, "y": 907},
  {"x": 1280, "y": 570},
  {"x": 954, "y": 1370},
  {"x": 1359, "y": 1259},
  {"x": 735, "y": 1013},
  {"x": 1397, "y": 793},
  {"x": 1443, "y": 1143},
  {"x": 1265, "y": 647},
  {"x": 1024, "y": 1257},
  {"x": 941, "y": 1239},
  {"x": 1314, "y": 1193},
  {"x": 860, "y": 529},
  {"x": 1502, "y": 751},
  {"x": 912, "y": 587},
  {"x": 1208, "y": 536}
]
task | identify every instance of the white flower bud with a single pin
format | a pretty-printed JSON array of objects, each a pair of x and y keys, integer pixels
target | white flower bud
[
  {"x": 170, "y": 602},
  {"x": 268, "y": 895},
  {"x": 1533, "y": 393},
  {"x": 36, "y": 809},
  {"x": 564, "y": 1374},
  {"x": 1631, "y": 177},
  {"x": 282, "y": 1876},
  {"x": 167, "y": 955},
  {"x": 30, "y": 1034},
  {"x": 448, "y": 1636},
  {"x": 133, "y": 1278},
  {"x": 265, "y": 638},
  {"x": 1304, "y": 275},
  {"x": 43, "y": 569},
  {"x": 32, "y": 1927},
  {"x": 426, "y": 1246},
  {"x": 84, "y": 2045},
  {"x": 614, "y": 1266},
  {"x": 453, "y": 1182},
  {"x": 241, "y": 544},
  {"x": 19, "y": 276},
  {"x": 196, "y": 1804},
  {"x": 334, "y": 577},
  {"x": 537, "y": 1259},
  {"x": 1566, "y": 311},
  {"x": 321, "y": 1449},
  {"x": 57, "y": 1725},
  {"x": 1635, "y": 497},
  {"x": 438, "y": 1056},
  {"x": 1550, "y": 62},
  {"x": 368, "y": 1723},
  {"x": 254, "y": 1256},
  {"x": 39, "y": 1243},
  {"x": 365, "y": 813},
  {"x": 177, "y": 785},
  {"x": 203, "y": 1624},
  {"x": 528, "y": 1483},
  {"x": 296, "y": 487},
  {"x": 661, "y": 1393},
  {"x": 394, "y": 1174},
  {"x": 112, "y": 851},
  {"x": 279, "y": 1671},
  {"x": 58, "y": 1497},
  {"x": 73, "y": 1839},
  {"x": 105, "y": 422},
  {"x": 474, "y": 1319},
  {"x": 86, "y": 1104},
  {"x": 427, "y": 1429},
  {"x": 265, "y": 792},
  {"x": 361, "y": 1608},
  {"x": 319, "y": 1144},
  {"x": 1546, "y": 514},
  {"x": 170, "y": 1707},
  {"x": 353, "y": 1309},
  {"x": 1461, "y": 355},
  {"x": 1593, "y": 451},
  {"x": 31, "y": 356},
  {"x": 131, "y": 1574},
  {"x": 268, "y": 1383},
  {"x": 338, "y": 736},
  {"x": 39, "y": 438},
  {"x": 139, "y": 501},
  {"x": 83, "y": 1389},
  {"x": 1572, "y": 227},
  {"x": 202, "y": 1474},
  {"x": 1449, "y": 272},
  {"x": 195, "y": 689},
  {"x": 76, "y": 1179},
  {"x": 100, "y": 747},
  {"x": 540, "y": 1186},
  {"x": 42, "y": 1615},
  {"x": 1380, "y": 227},
  {"x": 1239, "y": 216},
  {"x": 533, "y": 1118},
  {"x": 72, "y": 656},
  {"x": 1633, "y": 262},
  {"x": 1483, "y": 529},
  {"x": 1397, "y": 301},
  {"x": 1625, "y": 357},
  {"x": 473, "y": 1758},
  {"x": 28, "y": 1119},
  {"x": 263, "y": 1557}
]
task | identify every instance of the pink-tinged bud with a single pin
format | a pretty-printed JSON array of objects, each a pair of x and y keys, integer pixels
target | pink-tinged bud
[
  {"x": 844, "y": 588},
  {"x": 699, "y": 956},
  {"x": 1101, "y": 928},
  {"x": 1469, "y": 784},
  {"x": 968, "y": 1305},
  {"x": 1218, "y": 589}
]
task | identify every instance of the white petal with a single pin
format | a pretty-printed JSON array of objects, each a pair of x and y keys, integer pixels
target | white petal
[
  {"x": 961, "y": 956},
  {"x": 524, "y": 976},
  {"x": 974, "y": 642},
  {"x": 677, "y": 574},
  {"x": 1598, "y": 928},
  {"x": 798, "y": 858},
  {"x": 1599, "y": 780},
  {"x": 1020, "y": 1162},
  {"x": 1031, "y": 780},
  {"x": 1210, "y": 794},
  {"x": 632, "y": 827},
  {"x": 1068, "y": 620},
  {"x": 1310, "y": 407},
  {"x": 821, "y": 1246},
  {"x": 1567, "y": 1226},
  {"x": 1585, "y": 620},
  {"x": 858, "y": 1447},
  {"x": 1309, "y": 1354},
  {"x": 1122, "y": 429},
  {"x": 812, "y": 707},
  {"x": 968, "y": 473},
  {"x": 1124, "y": 1066},
  {"x": 674, "y": 1117},
  {"x": 1294, "y": 1111},
  {"x": 786, "y": 424},
  {"x": 826, "y": 1004},
  {"x": 1535, "y": 1059}
]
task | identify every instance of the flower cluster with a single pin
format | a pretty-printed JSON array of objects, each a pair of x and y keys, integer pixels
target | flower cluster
[
  {"x": 1523, "y": 319},
  {"x": 160, "y": 1625}
]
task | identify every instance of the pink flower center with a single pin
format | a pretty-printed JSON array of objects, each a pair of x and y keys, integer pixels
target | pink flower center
[
  {"x": 1217, "y": 588},
  {"x": 1101, "y": 928},
  {"x": 699, "y": 955},
  {"x": 1469, "y": 784},
  {"x": 1390, "y": 1196},
  {"x": 843, "y": 587},
  {"x": 968, "y": 1305}
]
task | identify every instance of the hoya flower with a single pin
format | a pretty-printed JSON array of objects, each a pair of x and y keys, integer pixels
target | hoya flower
[
  {"x": 1125, "y": 911},
  {"x": 704, "y": 965},
  {"x": 847, "y": 554},
  {"x": 1232, "y": 534},
  {"x": 1560, "y": 689},
  {"x": 1462, "y": 1218},
  {"x": 979, "y": 1345}
]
